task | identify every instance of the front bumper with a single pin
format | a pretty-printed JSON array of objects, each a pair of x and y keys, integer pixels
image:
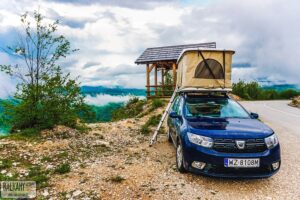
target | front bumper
[{"x": 215, "y": 162}]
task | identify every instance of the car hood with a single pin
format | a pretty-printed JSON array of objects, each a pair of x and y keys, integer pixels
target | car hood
[{"x": 229, "y": 128}]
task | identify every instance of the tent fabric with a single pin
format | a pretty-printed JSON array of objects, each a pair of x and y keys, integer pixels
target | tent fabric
[{"x": 196, "y": 72}]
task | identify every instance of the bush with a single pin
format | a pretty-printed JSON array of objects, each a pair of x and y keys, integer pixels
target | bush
[
  {"x": 39, "y": 176},
  {"x": 156, "y": 103},
  {"x": 131, "y": 109},
  {"x": 151, "y": 122},
  {"x": 145, "y": 130},
  {"x": 116, "y": 179},
  {"x": 63, "y": 168},
  {"x": 5, "y": 164}
]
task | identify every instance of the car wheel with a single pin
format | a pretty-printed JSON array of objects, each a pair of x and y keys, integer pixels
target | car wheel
[
  {"x": 180, "y": 158},
  {"x": 169, "y": 136}
]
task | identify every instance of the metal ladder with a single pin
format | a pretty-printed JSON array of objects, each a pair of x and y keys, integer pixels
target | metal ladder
[{"x": 154, "y": 137}]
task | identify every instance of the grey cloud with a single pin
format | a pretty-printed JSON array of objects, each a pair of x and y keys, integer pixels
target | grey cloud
[
  {"x": 120, "y": 70},
  {"x": 68, "y": 21},
  {"x": 90, "y": 64},
  {"x": 241, "y": 65},
  {"x": 136, "y": 4}
]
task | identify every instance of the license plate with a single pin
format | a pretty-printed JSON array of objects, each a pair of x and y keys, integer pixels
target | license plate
[{"x": 242, "y": 163}]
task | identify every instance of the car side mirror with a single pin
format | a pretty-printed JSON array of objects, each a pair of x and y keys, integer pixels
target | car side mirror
[
  {"x": 174, "y": 115},
  {"x": 254, "y": 115}
]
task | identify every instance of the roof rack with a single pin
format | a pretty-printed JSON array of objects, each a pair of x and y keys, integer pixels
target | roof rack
[{"x": 204, "y": 90}]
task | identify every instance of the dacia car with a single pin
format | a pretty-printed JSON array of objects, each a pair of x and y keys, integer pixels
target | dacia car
[{"x": 215, "y": 136}]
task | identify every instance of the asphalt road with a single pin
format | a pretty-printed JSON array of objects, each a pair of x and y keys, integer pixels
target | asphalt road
[{"x": 277, "y": 114}]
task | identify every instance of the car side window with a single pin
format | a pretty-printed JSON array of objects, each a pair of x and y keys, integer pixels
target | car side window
[
  {"x": 180, "y": 105},
  {"x": 175, "y": 104}
]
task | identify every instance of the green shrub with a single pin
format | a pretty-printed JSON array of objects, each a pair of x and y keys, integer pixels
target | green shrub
[
  {"x": 145, "y": 130},
  {"x": 116, "y": 179},
  {"x": 63, "y": 168},
  {"x": 154, "y": 120},
  {"x": 131, "y": 109},
  {"x": 39, "y": 176},
  {"x": 46, "y": 159},
  {"x": 151, "y": 122},
  {"x": 5, "y": 164},
  {"x": 156, "y": 103}
]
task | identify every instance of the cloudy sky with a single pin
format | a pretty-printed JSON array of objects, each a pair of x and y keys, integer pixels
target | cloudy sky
[{"x": 111, "y": 34}]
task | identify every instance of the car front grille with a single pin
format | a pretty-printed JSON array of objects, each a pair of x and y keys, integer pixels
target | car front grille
[{"x": 229, "y": 146}]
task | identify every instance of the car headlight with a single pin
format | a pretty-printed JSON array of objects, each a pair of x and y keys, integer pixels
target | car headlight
[
  {"x": 271, "y": 141},
  {"x": 200, "y": 140}
]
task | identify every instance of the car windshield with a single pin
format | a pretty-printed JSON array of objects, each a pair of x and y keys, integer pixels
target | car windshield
[{"x": 214, "y": 108}]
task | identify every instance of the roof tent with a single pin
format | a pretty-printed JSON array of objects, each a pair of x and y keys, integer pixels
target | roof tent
[{"x": 204, "y": 68}]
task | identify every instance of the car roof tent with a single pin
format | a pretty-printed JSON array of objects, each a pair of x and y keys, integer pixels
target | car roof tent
[{"x": 204, "y": 69}]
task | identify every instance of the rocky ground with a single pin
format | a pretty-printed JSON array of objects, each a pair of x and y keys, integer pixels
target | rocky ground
[{"x": 114, "y": 161}]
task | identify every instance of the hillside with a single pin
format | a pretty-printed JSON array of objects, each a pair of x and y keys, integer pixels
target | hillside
[{"x": 114, "y": 161}]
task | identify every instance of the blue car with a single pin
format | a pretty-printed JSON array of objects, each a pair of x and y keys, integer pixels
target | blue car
[{"x": 215, "y": 136}]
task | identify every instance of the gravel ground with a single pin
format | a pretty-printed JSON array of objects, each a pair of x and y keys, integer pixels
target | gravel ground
[{"x": 114, "y": 161}]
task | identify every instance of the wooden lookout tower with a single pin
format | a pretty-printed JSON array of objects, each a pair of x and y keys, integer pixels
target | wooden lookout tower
[{"x": 164, "y": 59}]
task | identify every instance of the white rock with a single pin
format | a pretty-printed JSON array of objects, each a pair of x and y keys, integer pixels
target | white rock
[
  {"x": 100, "y": 142},
  {"x": 3, "y": 171},
  {"x": 9, "y": 174},
  {"x": 45, "y": 193},
  {"x": 49, "y": 166},
  {"x": 76, "y": 193}
]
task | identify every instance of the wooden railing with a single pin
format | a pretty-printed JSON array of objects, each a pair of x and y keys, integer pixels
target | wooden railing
[{"x": 160, "y": 91}]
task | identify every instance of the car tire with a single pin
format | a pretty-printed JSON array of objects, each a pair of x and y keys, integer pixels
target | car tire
[
  {"x": 180, "y": 158},
  {"x": 169, "y": 136}
]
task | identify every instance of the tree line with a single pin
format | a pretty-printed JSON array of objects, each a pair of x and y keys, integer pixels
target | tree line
[{"x": 253, "y": 91}]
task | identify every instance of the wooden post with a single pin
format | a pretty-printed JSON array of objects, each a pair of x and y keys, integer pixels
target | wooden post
[
  {"x": 155, "y": 79},
  {"x": 148, "y": 80},
  {"x": 174, "y": 75},
  {"x": 162, "y": 82}
]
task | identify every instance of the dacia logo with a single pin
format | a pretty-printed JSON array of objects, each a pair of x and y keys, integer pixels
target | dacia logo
[{"x": 240, "y": 144}]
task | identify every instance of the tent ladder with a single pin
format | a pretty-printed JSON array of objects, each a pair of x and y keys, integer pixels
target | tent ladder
[{"x": 154, "y": 137}]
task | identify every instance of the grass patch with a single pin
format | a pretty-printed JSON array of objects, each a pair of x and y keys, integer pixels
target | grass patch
[
  {"x": 151, "y": 122},
  {"x": 145, "y": 130},
  {"x": 39, "y": 176},
  {"x": 116, "y": 179},
  {"x": 46, "y": 159},
  {"x": 29, "y": 134},
  {"x": 4, "y": 177},
  {"x": 63, "y": 168},
  {"x": 157, "y": 103},
  {"x": 62, "y": 155},
  {"x": 5, "y": 164}
]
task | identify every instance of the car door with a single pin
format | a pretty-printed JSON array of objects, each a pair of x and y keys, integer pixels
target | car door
[
  {"x": 178, "y": 121},
  {"x": 171, "y": 121}
]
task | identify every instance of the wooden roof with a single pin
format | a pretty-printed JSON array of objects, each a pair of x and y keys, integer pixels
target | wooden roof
[{"x": 168, "y": 53}]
